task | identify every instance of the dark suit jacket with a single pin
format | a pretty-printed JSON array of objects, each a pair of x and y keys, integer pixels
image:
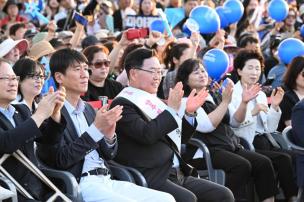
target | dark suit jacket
[
  {"x": 22, "y": 137},
  {"x": 297, "y": 120},
  {"x": 69, "y": 153},
  {"x": 144, "y": 144}
]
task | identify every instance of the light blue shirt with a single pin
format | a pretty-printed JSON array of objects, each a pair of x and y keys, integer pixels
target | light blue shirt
[
  {"x": 92, "y": 160},
  {"x": 9, "y": 113}
]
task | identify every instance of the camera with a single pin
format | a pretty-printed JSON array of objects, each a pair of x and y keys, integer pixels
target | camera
[{"x": 137, "y": 33}]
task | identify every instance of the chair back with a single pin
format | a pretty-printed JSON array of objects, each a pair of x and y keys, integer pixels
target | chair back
[{"x": 288, "y": 136}]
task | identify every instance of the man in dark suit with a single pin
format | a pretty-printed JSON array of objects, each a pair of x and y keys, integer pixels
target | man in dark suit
[
  {"x": 19, "y": 129},
  {"x": 149, "y": 132},
  {"x": 297, "y": 118},
  {"x": 89, "y": 139}
]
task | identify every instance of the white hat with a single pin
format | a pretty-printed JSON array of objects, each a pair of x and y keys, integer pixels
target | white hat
[
  {"x": 101, "y": 34},
  {"x": 7, "y": 45}
]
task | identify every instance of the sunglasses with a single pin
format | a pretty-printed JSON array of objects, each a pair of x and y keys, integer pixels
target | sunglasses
[
  {"x": 99, "y": 64},
  {"x": 302, "y": 74}
]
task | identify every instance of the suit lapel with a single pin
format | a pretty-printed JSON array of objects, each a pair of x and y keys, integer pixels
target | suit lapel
[
  {"x": 88, "y": 115},
  {"x": 17, "y": 118},
  {"x": 5, "y": 123},
  {"x": 70, "y": 125}
]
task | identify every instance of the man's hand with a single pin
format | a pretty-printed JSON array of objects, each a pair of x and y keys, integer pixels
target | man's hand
[
  {"x": 105, "y": 120},
  {"x": 196, "y": 101},
  {"x": 60, "y": 98},
  {"x": 45, "y": 107},
  {"x": 175, "y": 96}
]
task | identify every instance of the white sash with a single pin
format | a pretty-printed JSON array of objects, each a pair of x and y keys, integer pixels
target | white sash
[{"x": 152, "y": 106}]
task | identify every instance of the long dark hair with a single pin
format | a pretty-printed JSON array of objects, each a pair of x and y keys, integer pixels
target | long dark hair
[{"x": 294, "y": 69}]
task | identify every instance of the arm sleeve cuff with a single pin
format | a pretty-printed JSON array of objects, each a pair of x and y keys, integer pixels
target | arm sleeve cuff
[
  {"x": 94, "y": 133},
  {"x": 113, "y": 144},
  {"x": 204, "y": 123}
]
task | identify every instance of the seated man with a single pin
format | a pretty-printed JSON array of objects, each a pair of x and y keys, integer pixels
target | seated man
[
  {"x": 297, "y": 118},
  {"x": 18, "y": 129},
  {"x": 149, "y": 133},
  {"x": 89, "y": 139}
]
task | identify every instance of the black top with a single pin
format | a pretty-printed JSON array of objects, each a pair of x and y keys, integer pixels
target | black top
[
  {"x": 222, "y": 138},
  {"x": 111, "y": 88},
  {"x": 290, "y": 99}
]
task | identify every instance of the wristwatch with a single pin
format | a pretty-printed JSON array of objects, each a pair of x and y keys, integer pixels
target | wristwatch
[{"x": 194, "y": 114}]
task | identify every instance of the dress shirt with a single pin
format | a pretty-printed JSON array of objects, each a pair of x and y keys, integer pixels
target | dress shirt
[
  {"x": 9, "y": 113},
  {"x": 92, "y": 160}
]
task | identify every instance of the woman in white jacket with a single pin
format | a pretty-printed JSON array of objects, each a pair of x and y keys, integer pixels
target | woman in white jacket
[{"x": 262, "y": 120}]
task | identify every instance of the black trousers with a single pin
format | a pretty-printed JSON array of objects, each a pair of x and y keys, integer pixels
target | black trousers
[
  {"x": 191, "y": 189},
  {"x": 241, "y": 167},
  {"x": 282, "y": 162}
]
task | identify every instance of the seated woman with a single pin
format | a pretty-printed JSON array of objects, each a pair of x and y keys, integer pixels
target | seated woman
[
  {"x": 32, "y": 78},
  {"x": 99, "y": 84},
  {"x": 262, "y": 120},
  {"x": 294, "y": 84},
  {"x": 226, "y": 153}
]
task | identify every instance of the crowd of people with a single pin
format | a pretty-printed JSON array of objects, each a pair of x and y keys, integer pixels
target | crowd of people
[{"x": 159, "y": 95}]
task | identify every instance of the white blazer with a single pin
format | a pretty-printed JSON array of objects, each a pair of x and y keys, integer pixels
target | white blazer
[{"x": 261, "y": 123}]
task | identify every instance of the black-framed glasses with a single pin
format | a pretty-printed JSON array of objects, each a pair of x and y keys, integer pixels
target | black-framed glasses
[
  {"x": 36, "y": 77},
  {"x": 154, "y": 72},
  {"x": 10, "y": 78},
  {"x": 101, "y": 63}
]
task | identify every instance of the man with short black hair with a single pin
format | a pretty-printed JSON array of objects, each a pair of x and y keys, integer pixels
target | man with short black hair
[
  {"x": 89, "y": 139},
  {"x": 150, "y": 132},
  {"x": 19, "y": 129}
]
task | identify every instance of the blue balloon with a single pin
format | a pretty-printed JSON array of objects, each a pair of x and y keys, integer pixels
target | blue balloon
[
  {"x": 289, "y": 49},
  {"x": 233, "y": 10},
  {"x": 302, "y": 31},
  {"x": 190, "y": 26},
  {"x": 158, "y": 25},
  {"x": 221, "y": 13},
  {"x": 207, "y": 18},
  {"x": 216, "y": 62},
  {"x": 278, "y": 10}
]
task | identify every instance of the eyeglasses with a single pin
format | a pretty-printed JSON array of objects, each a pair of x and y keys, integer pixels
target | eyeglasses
[
  {"x": 99, "y": 64},
  {"x": 154, "y": 72},
  {"x": 10, "y": 78},
  {"x": 36, "y": 77},
  {"x": 291, "y": 16}
]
